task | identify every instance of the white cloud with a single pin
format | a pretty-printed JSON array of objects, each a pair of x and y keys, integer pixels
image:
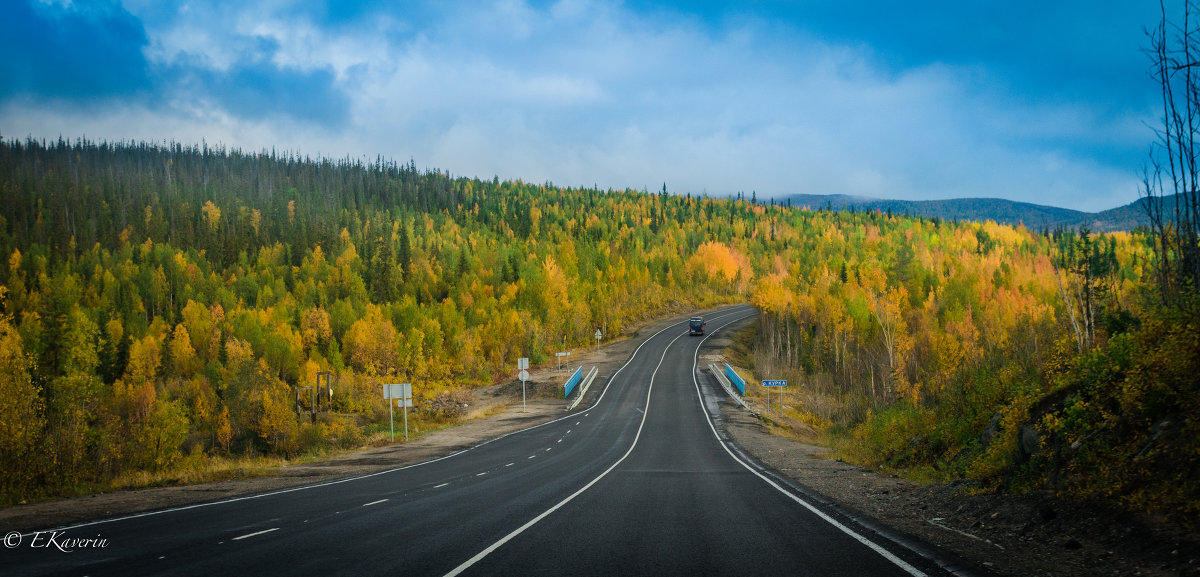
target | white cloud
[{"x": 585, "y": 93}]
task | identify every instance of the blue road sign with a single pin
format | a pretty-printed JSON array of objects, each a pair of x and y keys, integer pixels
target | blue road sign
[{"x": 774, "y": 383}]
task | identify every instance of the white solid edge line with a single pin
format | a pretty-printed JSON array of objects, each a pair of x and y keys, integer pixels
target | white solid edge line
[
  {"x": 288, "y": 490},
  {"x": 272, "y": 493},
  {"x": 374, "y": 502},
  {"x": 852, "y": 533},
  {"x": 505, "y": 539},
  {"x": 254, "y": 534}
]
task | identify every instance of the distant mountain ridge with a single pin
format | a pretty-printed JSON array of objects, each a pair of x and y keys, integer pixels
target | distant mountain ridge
[{"x": 1033, "y": 216}]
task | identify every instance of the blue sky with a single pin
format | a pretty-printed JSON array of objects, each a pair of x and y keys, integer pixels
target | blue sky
[{"x": 1045, "y": 102}]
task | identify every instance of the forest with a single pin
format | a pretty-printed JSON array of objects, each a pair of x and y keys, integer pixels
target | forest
[{"x": 165, "y": 304}]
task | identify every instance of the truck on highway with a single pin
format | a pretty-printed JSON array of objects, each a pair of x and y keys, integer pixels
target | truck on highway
[{"x": 696, "y": 326}]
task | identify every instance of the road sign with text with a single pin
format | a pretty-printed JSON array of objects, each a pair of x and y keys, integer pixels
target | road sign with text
[{"x": 774, "y": 383}]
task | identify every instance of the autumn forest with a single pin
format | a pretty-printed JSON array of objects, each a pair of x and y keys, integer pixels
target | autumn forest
[{"x": 163, "y": 305}]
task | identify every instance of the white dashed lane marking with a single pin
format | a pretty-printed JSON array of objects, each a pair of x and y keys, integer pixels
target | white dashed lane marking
[{"x": 255, "y": 534}]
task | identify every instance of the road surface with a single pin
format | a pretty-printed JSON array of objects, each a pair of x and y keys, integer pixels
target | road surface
[{"x": 641, "y": 483}]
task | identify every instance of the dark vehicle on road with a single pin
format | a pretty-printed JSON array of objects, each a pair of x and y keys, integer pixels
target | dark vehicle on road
[{"x": 696, "y": 326}]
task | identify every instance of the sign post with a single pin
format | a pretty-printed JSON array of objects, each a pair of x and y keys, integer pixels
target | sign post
[
  {"x": 598, "y": 335},
  {"x": 781, "y": 385},
  {"x": 403, "y": 393},
  {"x": 327, "y": 393},
  {"x": 523, "y": 365},
  {"x": 563, "y": 357}
]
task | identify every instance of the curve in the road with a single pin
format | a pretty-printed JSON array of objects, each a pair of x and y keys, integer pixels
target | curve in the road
[{"x": 646, "y": 412}]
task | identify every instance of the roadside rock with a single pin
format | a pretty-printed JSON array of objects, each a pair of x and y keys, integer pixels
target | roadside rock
[
  {"x": 1029, "y": 440},
  {"x": 991, "y": 430}
]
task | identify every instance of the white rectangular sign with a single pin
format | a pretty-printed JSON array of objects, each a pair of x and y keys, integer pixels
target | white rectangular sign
[
  {"x": 400, "y": 391},
  {"x": 562, "y": 354},
  {"x": 523, "y": 363},
  {"x": 403, "y": 394}
]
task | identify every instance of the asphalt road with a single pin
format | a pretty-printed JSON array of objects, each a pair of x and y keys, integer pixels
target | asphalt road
[{"x": 642, "y": 483}]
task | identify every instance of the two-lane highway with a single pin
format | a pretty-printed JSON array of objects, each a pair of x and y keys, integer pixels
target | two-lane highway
[{"x": 637, "y": 484}]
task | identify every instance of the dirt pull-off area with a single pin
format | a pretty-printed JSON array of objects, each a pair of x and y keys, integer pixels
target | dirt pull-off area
[{"x": 1032, "y": 534}]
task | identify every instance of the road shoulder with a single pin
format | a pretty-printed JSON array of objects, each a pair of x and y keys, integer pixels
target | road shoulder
[{"x": 1031, "y": 534}]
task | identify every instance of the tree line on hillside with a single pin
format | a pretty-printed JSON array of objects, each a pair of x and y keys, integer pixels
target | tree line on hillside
[
  {"x": 1014, "y": 359},
  {"x": 165, "y": 305}
]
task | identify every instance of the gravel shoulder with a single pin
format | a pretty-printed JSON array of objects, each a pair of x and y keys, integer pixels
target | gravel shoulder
[{"x": 1011, "y": 535}]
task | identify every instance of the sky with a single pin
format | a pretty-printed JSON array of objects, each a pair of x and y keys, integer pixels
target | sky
[{"x": 1044, "y": 102}]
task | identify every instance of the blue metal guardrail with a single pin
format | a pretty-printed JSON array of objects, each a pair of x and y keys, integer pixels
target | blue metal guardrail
[
  {"x": 571, "y": 382},
  {"x": 736, "y": 379}
]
